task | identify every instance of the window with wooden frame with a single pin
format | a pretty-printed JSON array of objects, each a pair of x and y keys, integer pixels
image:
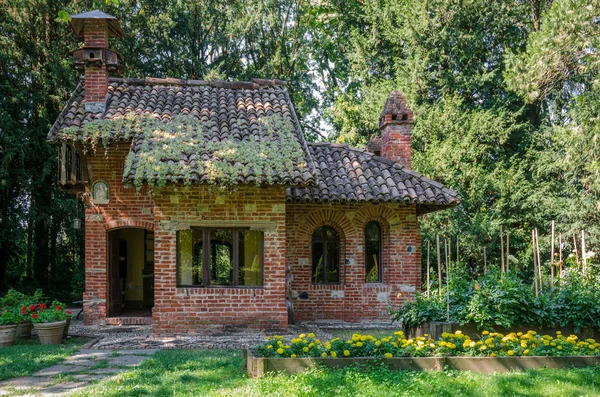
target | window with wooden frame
[
  {"x": 231, "y": 257},
  {"x": 373, "y": 253},
  {"x": 325, "y": 256}
]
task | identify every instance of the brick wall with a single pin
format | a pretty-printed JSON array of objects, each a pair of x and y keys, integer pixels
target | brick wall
[
  {"x": 180, "y": 310},
  {"x": 353, "y": 299},
  {"x": 287, "y": 241},
  {"x": 96, "y": 77},
  {"x": 126, "y": 208}
]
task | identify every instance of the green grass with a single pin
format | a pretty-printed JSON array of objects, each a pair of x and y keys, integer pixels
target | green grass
[
  {"x": 27, "y": 357},
  {"x": 218, "y": 373}
]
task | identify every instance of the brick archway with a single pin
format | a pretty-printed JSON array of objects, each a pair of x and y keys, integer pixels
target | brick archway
[
  {"x": 325, "y": 217},
  {"x": 128, "y": 222}
]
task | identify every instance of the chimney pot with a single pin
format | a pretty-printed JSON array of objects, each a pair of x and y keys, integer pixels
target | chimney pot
[
  {"x": 95, "y": 58},
  {"x": 395, "y": 124}
]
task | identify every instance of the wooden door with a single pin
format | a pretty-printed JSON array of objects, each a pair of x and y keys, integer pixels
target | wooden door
[{"x": 115, "y": 293}]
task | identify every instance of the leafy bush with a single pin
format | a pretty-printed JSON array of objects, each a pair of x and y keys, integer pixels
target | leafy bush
[{"x": 503, "y": 299}]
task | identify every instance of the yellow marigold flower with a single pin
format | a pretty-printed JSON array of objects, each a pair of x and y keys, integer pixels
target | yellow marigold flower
[
  {"x": 269, "y": 347},
  {"x": 280, "y": 350},
  {"x": 525, "y": 352},
  {"x": 458, "y": 332},
  {"x": 268, "y": 338},
  {"x": 442, "y": 343},
  {"x": 388, "y": 355},
  {"x": 519, "y": 333},
  {"x": 445, "y": 334},
  {"x": 311, "y": 335},
  {"x": 310, "y": 345},
  {"x": 377, "y": 343},
  {"x": 425, "y": 334},
  {"x": 510, "y": 353},
  {"x": 333, "y": 354},
  {"x": 552, "y": 344},
  {"x": 318, "y": 342},
  {"x": 305, "y": 349},
  {"x": 493, "y": 355},
  {"x": 558, "y": 333},
  {"x": 301, "y": 336},
  {"x": 394, "y": 344},
  {"x": 293, "y": 356},
  {"x": 323, "y": 354},
  {"x": 531, "y": 332},
  {"x": 327, "y": 345},
  {"x": 484, "y": 347},
  {"x": 295, "y": 340},
  {"x": 559, "y": 347},
  {"x": 359, "y": 344},
  {"x": 346, "y": 353},
  {"x": 472, "y": 344},
  {"x": 363, "y": 338},
  {"x": 485, "y": 332}
]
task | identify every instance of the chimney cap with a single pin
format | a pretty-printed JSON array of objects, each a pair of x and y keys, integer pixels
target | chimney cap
[
  {"x": 78, "y": 20},
  {"x": 395, "y": 110}
]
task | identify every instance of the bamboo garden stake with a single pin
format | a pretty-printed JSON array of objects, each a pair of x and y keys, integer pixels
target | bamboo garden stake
[
  {"x": 539, "y": 260},
  {"x": 552, "y": 257},
  {"x": 583, "y": 256},
  {"x": 428, "y": 266},
  {"x": 457, "y": 254},
  {"x": 535, "y": 283},
  {"x": 560, "y": 254},
  {"x": 575, "y": 248},
  {"x": 439, "y": 260},
  {"x": 507, "y": 249},
  {"x": 501, "y": 250}
]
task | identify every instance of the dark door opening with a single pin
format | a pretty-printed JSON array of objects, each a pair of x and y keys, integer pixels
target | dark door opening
[{"x": 131, "y": 273}]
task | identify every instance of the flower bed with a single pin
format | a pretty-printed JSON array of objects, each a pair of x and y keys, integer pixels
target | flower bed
[{"x": 494, "y": 352}]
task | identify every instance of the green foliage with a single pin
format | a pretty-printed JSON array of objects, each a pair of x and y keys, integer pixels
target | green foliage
[
  {"x": 278, "y": 151},
  {"x": 49, "y": 314},
  {"x": 504, "y": 300},
  {"x": 9, "y": 316}
]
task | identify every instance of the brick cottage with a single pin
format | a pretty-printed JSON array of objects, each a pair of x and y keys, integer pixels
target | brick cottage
[{"x": 335, "y": 237}]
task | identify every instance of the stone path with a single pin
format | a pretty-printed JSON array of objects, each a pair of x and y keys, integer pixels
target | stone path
[{"x": 77, "y": 372}]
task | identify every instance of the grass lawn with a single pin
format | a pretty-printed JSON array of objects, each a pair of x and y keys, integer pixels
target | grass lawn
[
  {"x": 27, "y": 357},
  {"x": 218, "y": 373}
]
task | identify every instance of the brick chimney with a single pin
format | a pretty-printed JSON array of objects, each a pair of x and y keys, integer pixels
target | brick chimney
[
  {"x": 395, "y": 124},
  {"x": 95, "y": 59}
]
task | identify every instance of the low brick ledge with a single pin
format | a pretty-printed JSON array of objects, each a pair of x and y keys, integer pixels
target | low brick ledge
[
  {"x": 258, "y": 366},
  {"x": 128, "y": 321}
]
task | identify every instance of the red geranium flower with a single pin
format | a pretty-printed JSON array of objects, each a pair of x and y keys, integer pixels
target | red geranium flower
[
  {"x": 24, "y": 309},
  {"x": 32, "y": 307},
  {"x": 68, "y": 312},
  {"x": 58, "y": 307},
  {"x": 42, "y": 306},
  {"x": 34, "y": 316}
]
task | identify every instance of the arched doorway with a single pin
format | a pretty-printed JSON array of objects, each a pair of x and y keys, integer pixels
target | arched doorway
[{"x": 130, "y": 272}]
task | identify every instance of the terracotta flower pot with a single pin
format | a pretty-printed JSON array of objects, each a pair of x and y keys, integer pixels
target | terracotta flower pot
[
  {"x": 7, "y": 334},
  {"x": 66, "y": 331},
  {"x": 50, "y": 333},
  {"x": 24, "y": 330}
]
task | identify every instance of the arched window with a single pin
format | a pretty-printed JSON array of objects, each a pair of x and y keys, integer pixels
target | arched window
[
  {"x": 373, "y": 248},
  {"x": 325, "y": 256}
]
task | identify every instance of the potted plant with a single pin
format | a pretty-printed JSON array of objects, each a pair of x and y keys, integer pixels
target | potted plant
[
  {"x": 49, "y": 322},
  {"x": 8, "y": 326}
]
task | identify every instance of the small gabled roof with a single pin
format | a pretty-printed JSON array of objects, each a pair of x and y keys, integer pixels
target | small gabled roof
[
  {"x": 347, "y": 175},
  {"x": 114, "y": 28}
]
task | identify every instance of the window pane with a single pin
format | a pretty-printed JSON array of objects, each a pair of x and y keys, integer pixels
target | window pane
[
  {"x": 190, "y": 257},
  {"x": 250, "y": 257},
  {"x": 372, "y": 250},
  {"x": 318, "y": 262},
  {"x": 333, "y": 262},
  {"x": 221, "y": 257}
]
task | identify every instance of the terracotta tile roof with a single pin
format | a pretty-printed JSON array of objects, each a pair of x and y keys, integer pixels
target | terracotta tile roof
[
  {"x": 334, "y": 173},
  {"x": 230, "y": 109},
  {"x": 345, "y": 174}
]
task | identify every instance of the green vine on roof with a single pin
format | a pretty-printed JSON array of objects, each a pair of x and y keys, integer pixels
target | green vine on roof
[{"x": 181, "y": 149}]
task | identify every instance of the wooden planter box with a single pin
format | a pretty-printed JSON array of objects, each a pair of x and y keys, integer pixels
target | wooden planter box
[{"x": 258, "y": 366}]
